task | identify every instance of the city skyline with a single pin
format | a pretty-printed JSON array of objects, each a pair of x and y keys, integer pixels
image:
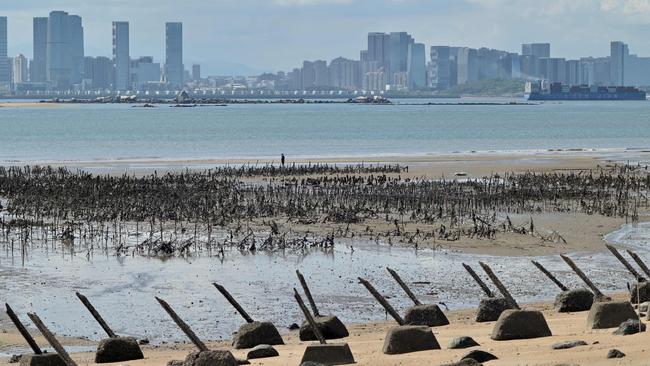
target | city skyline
[{"x": 238, "y": 33}]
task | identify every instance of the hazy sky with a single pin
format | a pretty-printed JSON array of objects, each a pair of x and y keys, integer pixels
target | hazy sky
[{"x": 231, "y": 36}]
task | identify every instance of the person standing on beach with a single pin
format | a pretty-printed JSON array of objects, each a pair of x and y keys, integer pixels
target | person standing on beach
[{"x": 282, "y": 160}]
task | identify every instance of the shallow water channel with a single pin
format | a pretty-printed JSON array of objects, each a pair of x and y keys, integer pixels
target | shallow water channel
[{"x": 123, "y": 288}]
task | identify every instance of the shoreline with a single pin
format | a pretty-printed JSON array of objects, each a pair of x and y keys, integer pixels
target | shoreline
[{"x": 498, "y": 161}]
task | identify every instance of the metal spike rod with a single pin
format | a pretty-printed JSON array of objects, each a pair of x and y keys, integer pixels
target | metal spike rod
[
  {"x": 504, "y": 291},
  {"x": 23, "y": 331},
  {"x": 478, "y": 280},
  {"x": 404, "y": 287},
  {"x": 382, "y": 301},
  {"x": 305, "y": 288},
  {"x": 550, "y": 276},
  {"x": 233, "y": 302},
  {"x": 95, "y": 314},
  {"x": 181, "y": 324},
  {"x": 309, "y": 318},
  {"x": 49, "y": 336}
]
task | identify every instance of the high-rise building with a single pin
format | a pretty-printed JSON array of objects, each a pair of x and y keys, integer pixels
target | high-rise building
[
  {"x": 539, "y": 50},
  {"x": 378, "y": 44},
  {"x": 572, "y": 72},
  {"x": 64, "y": 50},
  {"x": 619, "y": 52},
  {"x": 76, "y": 48},
  {"x": 466, "y": 65},
  {"x": 595, "y": 71},
  {"x": 295, "y": 79},
  {"x": 344, "y": 73},
  {"x": 174, "y": 68},
  {"x": 144, "y": 72},
  {"x": 308, "y": 74},
  {"x": 321, "y": 74},
  {"x": 5, "y": 68},
  {"x": 196, "y": 72},
  {"x": 38, "y": 69},
  {"x": 416, "y": 70},
  {"x": 20, "y": 69},
  {"x": 440, "y": 67},
  {"x": 99, "y": 71},
  {"x": 121, "y": 56},
  {"x": 398, "y": 53}
]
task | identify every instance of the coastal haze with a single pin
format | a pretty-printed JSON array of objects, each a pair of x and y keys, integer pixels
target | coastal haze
[{"x": 485, "y": 150}]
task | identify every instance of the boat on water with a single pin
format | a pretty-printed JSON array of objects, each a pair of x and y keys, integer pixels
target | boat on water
[{"x": 544, "y": 90}]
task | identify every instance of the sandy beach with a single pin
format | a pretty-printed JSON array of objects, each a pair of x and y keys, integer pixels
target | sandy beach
[{"x": 366, "y": 342}]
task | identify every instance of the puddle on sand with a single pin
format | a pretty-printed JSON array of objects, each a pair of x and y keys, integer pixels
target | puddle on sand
[{"x": 123, "y": 288}]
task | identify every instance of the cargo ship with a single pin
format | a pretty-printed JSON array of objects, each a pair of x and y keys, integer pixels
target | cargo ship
[{"x": 543, "y": 90}]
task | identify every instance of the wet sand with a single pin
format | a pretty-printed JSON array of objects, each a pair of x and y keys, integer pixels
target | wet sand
[
  {"x": 366, "y": 342},
  {"x": 471, "y": 165}
]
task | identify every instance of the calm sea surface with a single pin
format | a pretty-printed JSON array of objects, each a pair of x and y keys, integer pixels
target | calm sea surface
[{"x": 120, "y": 132}]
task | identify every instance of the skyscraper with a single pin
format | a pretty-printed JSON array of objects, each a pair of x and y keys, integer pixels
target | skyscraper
[
  {"x": 398, "y": 53},
  {"x": 76, "y": 48},
  {"x": 65, "y": 50},
  {"x": 539, "y": 50},
  {"x": 321, "y": 73},
  {"x": 121, "y": 57},
  {"x": 20, "y": 69},
  {"x": 619, "y": 52},
  {"x": 196, "y": 72},
  {"x": 440, "y": 70},
  {"x": 417, "y": 73},
  {"x": 99, "y": 70},
  {"x": 174, "y": 54},
  {"x": 378, "y": 44},
  {"x": 38, "y": 70},
  {"x": 5, "y": 72}
]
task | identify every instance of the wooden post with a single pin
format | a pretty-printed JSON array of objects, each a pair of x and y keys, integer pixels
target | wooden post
[
  {"x": 305, "y": 288},
  {"x": 550, "y": 276},
  {"x": 309, "y": 318},
  {"x": 499, "y": 285},
  {"x": 234, "y": 303},
  {"x": 23, "y": 331},
  {"x": 51, "y": 339},
  {"x": 582, "y": 276},
  {"x": 95, "y": 314},
  {"x": 181, "y": 324},
  {"x": 625, "y": 263},
  {"x": 382, "y": 301},
  {"x": 478, "y": 280},
  {"x": 404, "y": 287},
  {"x": 640, "y": 262}
]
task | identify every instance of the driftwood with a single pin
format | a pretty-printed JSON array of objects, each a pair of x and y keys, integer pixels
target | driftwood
[
  {"x": 234, "y": 303},
  {"x": 51, "y": 339},
  {"x": 309, "y": 318},
  {"x": 184, "y": 327},
  {"x": 639, "y": 262},
  {"x": 305, "y": 288},
  {"x": 583, "y": 276},
  {"x": 504, "y": 291},
  {"x": 380, "y": 299},
  {"x": 625, "y": 263},
  {"x": 478, "y": 280},
  {"x": 404, "y": 287},
  {"x": 550, "y": 276},
  {"x": 95, "y": 314},
  {"x": 23, "y": 331}
]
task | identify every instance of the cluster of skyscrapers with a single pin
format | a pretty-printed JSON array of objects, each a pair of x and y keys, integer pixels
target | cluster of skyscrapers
[
  {"x": 59, "y": 62},
  {"x": 391, "y": 61},
  {"x": 394, "y": 61}
]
